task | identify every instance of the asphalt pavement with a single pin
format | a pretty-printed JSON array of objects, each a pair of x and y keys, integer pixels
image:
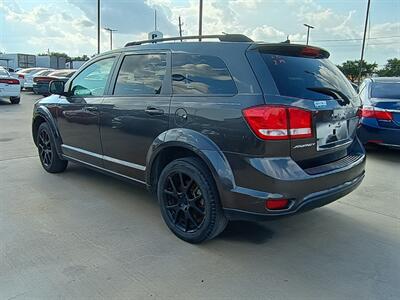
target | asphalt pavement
[{"x": 81, "y": 235}]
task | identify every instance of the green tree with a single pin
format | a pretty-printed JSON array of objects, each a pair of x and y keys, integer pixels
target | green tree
[
  {"x": 58, "y": 54},
  {"x": 391, "y": 69},
  {"x": 351, "y": 69},
  {"x": 83, "y": 57}
]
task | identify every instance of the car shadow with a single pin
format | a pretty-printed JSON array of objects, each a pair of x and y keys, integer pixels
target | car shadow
[
  {"x": 383, "y": 153},
  {"x": 246, "y": 232},
  {"x": 4, "y": 101}
]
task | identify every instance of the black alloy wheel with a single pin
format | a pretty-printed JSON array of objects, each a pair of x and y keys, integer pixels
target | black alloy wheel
[
  {"x": 48, "y": 155},
  {"x": 189, "y": 200},
  {"x": 184, "y": 202},
  {"x": 45, "y": 151}
]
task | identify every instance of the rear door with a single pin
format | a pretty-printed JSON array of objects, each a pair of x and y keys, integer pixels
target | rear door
[
  {"x": 136, "y": 111},
  {"x": 305, "y": 78}
]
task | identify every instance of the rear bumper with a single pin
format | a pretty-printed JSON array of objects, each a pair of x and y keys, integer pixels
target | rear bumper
[
  {"x": 312, "y": 201},
  {"x": 370, "y": 132},
  {"x": 41, "y": 88},
  {"x": 11, "y": 91},
  {"x": 277, "y": 178}
]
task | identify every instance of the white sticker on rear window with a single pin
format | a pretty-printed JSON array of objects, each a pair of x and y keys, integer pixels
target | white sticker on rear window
[{"x": 319, "y": 104}]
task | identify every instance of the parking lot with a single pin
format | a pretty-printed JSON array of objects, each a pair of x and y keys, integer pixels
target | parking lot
[{"x": 81, "y": 234}]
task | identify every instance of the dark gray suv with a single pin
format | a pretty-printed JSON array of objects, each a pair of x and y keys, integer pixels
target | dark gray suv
[{"x": 218, "y": 130}]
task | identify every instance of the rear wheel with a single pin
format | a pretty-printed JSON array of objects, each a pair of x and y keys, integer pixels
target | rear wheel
[
  {"x": 15, "y": 100},
  {"x": 189, "y": 201},
  {"x": 47, "y": 151}
]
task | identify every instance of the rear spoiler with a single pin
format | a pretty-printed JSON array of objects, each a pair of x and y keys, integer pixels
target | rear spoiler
[{"x": 291, "y": 50}]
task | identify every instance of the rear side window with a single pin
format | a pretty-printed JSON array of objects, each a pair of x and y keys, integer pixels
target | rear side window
[
  {"x": 386, "y": 90},
  {"x": 141, "y": 74},
  {"x": 201, "y": 75},
  {"x": 308, "y": 78}
]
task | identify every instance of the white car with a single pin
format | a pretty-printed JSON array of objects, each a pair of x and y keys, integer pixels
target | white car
[
  {"x": 10, "y": 87},
  {"x": 26, "y": 76}
]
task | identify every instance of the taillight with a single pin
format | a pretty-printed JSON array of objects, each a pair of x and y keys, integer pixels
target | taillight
[
  {"x": 376, "y": 113},
  {"x": 276, "y": 204},
  {"x": 9, "y": 81},
  {"x": 310, "y": 51},
  {"x": 279, "y": 122},
  {"x": 21, "y": 76}
]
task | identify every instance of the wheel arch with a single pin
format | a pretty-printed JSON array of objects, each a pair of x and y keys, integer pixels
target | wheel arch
[
  {"x": 41, "y": 115},
  {"x": 178, "y": 143}
]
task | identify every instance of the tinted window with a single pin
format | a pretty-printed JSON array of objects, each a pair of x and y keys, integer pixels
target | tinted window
[
  {"x": 296, "y": 76},
  {"x": 201, "y": 74},
  {"x": 141, "y": 74},
  {"x": 386, "y": 90},
  {"x": 62, "y": 73},
  {"x": 92, "y": 80}
]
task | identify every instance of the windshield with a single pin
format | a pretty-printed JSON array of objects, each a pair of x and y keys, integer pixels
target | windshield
[
  {"x": 388, "y": 90},
  {"x": 309, "y": 78}
]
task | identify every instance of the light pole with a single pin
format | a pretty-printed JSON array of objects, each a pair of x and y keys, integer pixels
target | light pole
[
  {"x": 98, "y": 26},
  {"x": 308, "y": 31},
  {"x": 363, "y": 43},
  {"x": 111, "y": 35},
  {"x": 200, "y": 19}
]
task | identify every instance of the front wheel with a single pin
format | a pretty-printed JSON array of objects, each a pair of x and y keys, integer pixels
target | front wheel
[
  {"x": 47, "y": 150},
  {"x": 189, "y": 201}
]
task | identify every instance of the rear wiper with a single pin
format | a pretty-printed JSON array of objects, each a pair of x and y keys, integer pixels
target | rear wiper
[{"x": 336, "y": 94}]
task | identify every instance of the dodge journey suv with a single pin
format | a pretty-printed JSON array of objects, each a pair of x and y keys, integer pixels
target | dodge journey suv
[{"x": 217, "y": 130}]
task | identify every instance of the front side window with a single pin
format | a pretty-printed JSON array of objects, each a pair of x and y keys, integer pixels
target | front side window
[
  {"x": 201, "y": 75},
  {"x": 92, "y": 80},
  {"x": 141, "y": 74}
]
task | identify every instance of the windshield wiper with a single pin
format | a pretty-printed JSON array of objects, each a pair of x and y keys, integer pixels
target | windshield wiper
[{"x": 336, "y": 94}]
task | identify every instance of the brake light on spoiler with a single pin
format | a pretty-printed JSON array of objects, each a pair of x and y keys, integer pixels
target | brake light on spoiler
[
  {"x": 375, "y": 113},
  {"x": 279, "y": 122}
]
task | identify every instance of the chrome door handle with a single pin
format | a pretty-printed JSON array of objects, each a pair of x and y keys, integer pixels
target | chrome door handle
[{"x": 154, "y": 111}]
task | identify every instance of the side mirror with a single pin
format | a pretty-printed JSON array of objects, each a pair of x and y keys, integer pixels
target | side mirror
[{"x": 57, "y": 87}]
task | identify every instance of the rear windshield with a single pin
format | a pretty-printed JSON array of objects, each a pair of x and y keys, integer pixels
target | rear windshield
[
  {"x": 389, "y": 90},
  {"x": 308, "y": 78},
  {"x": 62, "y": 73}
]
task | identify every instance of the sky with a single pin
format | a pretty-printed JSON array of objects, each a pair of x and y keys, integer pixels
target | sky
[{"x": 34, "y": 26}]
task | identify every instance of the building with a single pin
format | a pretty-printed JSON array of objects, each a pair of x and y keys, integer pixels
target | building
[
  {"x": 17, "y": 60},
  {"x": 48, "y": 61}
]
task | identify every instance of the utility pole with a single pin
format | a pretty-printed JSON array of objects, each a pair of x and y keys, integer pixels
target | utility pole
[
  {"x": 180, "y": 27},
  {"x": 111, "y": 35},
  {"x": 308, "y": 32},
  {"x": 363, "y": 43},
  {"x": 200, "y": 19},
  {"x": 98, "y": 26}
]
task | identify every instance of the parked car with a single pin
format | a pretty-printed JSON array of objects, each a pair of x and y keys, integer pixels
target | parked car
[
  {"x": 380, "y": 114},
  {"x": 9, "y": 86},
  {"x": 42, "y": 79},
  {"x": 217, "y": 131},
  {"x": 26, "y": 76}
]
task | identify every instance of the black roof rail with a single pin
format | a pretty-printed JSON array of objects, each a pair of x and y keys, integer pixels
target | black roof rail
[{"x": 221, "y": 37}]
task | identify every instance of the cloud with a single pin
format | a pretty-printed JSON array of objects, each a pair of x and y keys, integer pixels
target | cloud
[{"x": 127, "y": 16}]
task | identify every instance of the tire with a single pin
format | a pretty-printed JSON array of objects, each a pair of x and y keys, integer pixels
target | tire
[
  {"x": 15, "y": 100},
  {"x": 192, "y": 210},
  {"x": 48, "y": 155}
]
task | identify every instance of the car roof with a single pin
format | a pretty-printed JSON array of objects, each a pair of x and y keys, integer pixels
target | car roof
[{"x": 386, "y": 79}]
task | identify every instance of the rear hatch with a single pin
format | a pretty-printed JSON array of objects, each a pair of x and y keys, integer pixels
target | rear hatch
[{"x": 304, "y": 77}]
